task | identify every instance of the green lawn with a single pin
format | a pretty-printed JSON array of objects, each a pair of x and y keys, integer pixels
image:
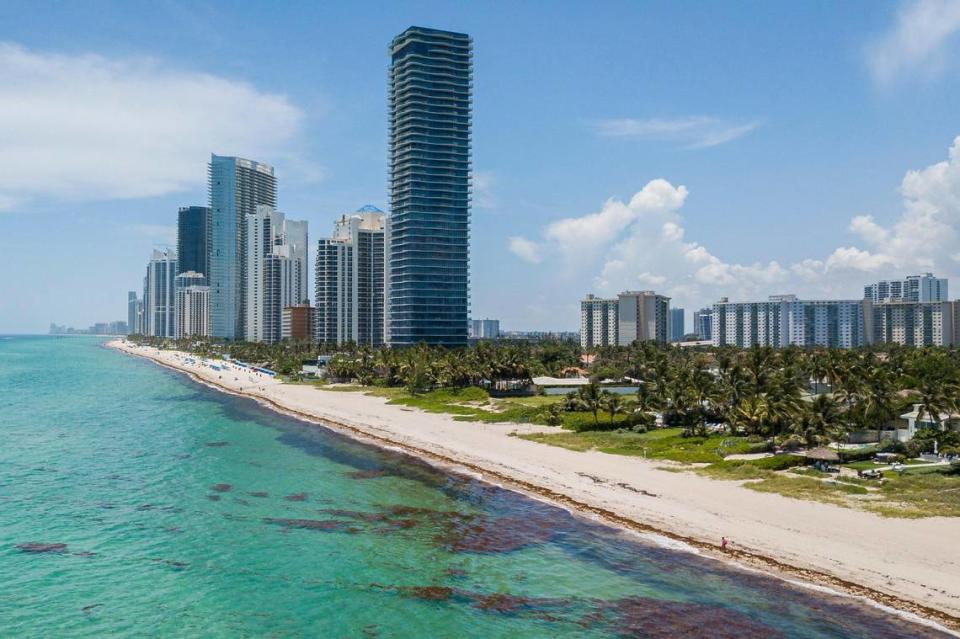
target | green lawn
[{"x": 666, "y": 443}]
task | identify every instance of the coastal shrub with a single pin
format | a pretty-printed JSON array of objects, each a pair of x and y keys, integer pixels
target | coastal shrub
[
  {"x": 859, "y": 454},
  {"x": 893, "y": 446},
  {"x": 779, "y": 462},
  {"x": 776, "y": 462},
  {"x": 760, "y": 447}
]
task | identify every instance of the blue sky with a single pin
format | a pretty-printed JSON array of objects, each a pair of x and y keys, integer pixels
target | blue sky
[{"x": 699, "y": 149}]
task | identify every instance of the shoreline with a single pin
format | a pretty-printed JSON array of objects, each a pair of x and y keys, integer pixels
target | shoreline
[{"x": 585, "y": 493}]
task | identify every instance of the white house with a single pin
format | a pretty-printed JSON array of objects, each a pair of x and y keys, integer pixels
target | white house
[{"x": 950, "y": 421}]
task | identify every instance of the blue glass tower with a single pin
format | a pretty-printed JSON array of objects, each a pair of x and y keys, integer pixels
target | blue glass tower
[
  {"x": 236, "y": 186},
  {"x": 428, "y": 248}
]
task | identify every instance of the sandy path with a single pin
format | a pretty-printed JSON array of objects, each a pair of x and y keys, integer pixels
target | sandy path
[{"x": 900, "y": 562}]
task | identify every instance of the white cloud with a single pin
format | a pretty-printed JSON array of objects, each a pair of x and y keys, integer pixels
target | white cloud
[
  {"x": 692, "y": 132},
  {"x": 525, "y": 249},
  {"x": 644, "y": 241},
  {"x": 483, "y": 189},
  {"x": 918, "y": 42},
  {"x": 580, "y": 236},
  {"x": 868, "y": 229},
  {"x": 88, "y": 127}
]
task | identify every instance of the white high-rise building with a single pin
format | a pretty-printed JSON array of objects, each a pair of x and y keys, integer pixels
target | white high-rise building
[
  {"x": 642, "y": 316},
  {"x": 192, "y": 306},
  {"x": 914, "y": 288},
  {"x": 349, "y": 282},
  {"x": 631, "y": 316},
  {"x": 913, "y": 323},
  {"x": 159, "y": 294},
  {"x": 598, "y": 321},
  {"x": 783, "y": 320},
  {"x": 274, "y": 271}
]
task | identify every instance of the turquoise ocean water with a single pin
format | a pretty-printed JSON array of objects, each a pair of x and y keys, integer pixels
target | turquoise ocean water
[{"x": 137, "y": 503}]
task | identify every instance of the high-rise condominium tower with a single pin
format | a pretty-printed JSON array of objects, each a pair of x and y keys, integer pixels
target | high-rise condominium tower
[
  {"x": 193, "y": 239},
  {"x": 677, "y": 322},
  {"x": 349, "y": 280},
  {"x": 158, "y": 298},
  {"x": 192, "y": 305},
  {"x": 133, "y": 313},
  {"x": 274, "y": 272},
  {"x": 428, "y": 230},
  {"x": 236, "y": 187}
]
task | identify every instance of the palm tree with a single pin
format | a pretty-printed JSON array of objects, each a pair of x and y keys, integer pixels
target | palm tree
[
  {"x": 613, "y": 404},
  {"x": 703, "y": 390},
  {"x": 752, "y": 412},
  {"x": 819, "y": 420},
  {"x": 877, "y": 397},
  {"x": 817, "y": 368},
  {"x": 934, "y": 400},
  {"x": 591, "y": 397}
]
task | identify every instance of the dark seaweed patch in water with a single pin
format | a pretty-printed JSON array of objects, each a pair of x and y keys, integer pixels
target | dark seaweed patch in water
[
  {"x": 496, "y": 535},
  {"x": 647, "y": 617},
  {"x": 213, "y": 497},
  {"x": 177, "y": 565},
  {"x": 259, "y": 493},
  {"x": 296, "y": 497},
  {"x": 367, "y": 474},
  {"x": 143, "y": 507},
  {"x": 325, "y": 525},
  {"x": 37, "y": 547},
  {"x": 353, "y": 514},
  {"x": 222, "y": 488},
  {"x": 217, "y": 444},
  {"x": 503, "y": 602},
  {"x": 431, "y": 593}
]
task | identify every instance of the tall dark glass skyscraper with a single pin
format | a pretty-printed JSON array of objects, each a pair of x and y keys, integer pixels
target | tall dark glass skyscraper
[
  {"x": 193, "y": 239},
  {"x": 428, "y": 247}
]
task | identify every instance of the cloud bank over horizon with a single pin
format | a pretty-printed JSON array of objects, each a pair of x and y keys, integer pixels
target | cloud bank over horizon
[
  {"x": 642, "y": 243},
  {"x": 87, "y": 127}
]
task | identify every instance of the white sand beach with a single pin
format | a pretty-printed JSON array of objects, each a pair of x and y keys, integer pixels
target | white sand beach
[{"x": 909, "y": 564}]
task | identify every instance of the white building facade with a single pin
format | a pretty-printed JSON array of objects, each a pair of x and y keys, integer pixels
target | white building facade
[
  {"x": 349, "y": 280},
  {"x": 914, "y": 323},
  {"x": 159, "y": 295},
  {"x": 275, "y": 271},
  {"x": 192, "y": 307},
  {"x": 783, "y": 320},
  {"x": 913, "y": 288},
  {"x": 631, "y": 316}
]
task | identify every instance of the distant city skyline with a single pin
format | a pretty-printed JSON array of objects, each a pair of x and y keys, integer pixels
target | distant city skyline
[{"x": 816, "y": 157}]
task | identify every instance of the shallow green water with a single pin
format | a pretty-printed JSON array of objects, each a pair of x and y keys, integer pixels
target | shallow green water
[{"x": 188, "y": 513}]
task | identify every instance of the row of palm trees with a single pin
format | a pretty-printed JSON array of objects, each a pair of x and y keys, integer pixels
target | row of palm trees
[
  {"x": 417, "y": 368},
  {"x": 814, "y": 395}
]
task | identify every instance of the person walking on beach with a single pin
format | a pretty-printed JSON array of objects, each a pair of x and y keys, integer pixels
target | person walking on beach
[{"x": 723, "y": 544}]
